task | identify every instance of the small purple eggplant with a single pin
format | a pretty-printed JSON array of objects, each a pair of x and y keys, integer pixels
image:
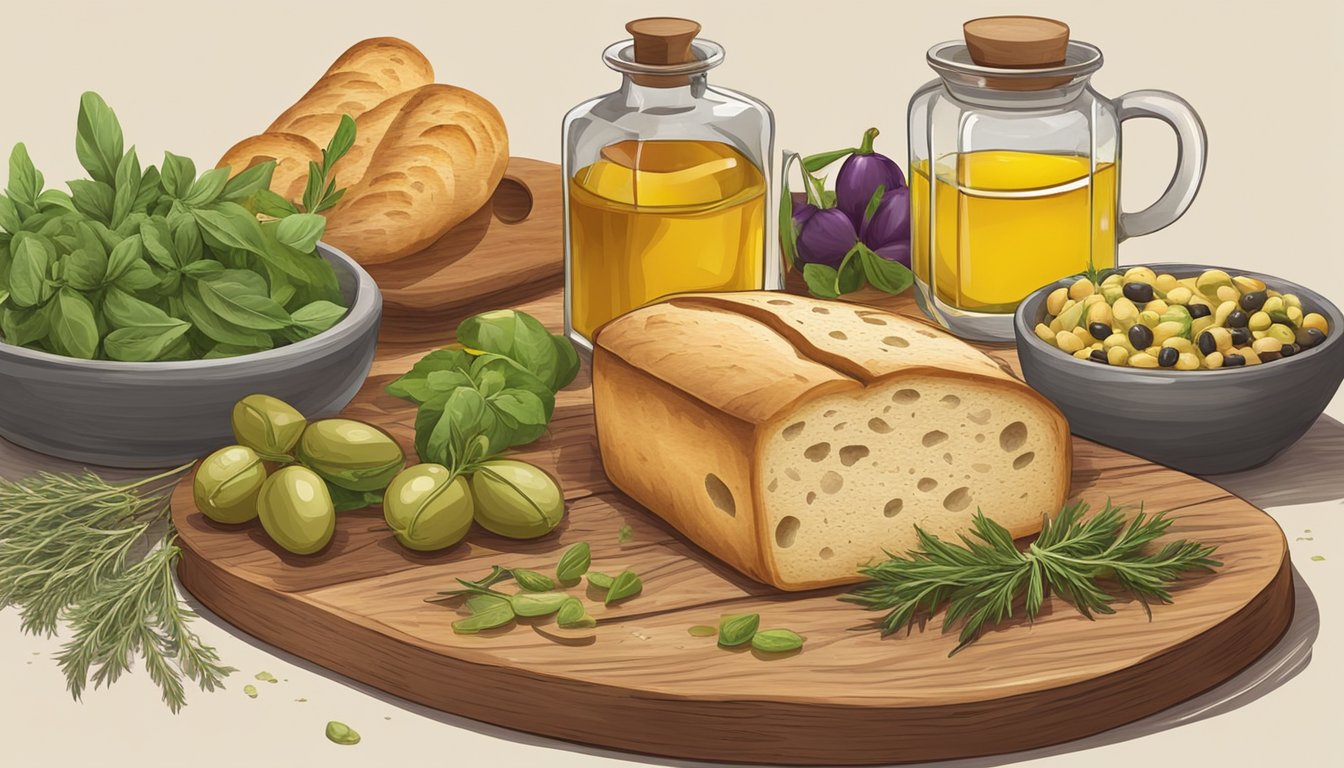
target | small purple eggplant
[
  {"x": 890, "y": 225},
  {"x": 802, "y": 210},
  {"x": 825, "y": 237},
  {"x": 860, "y": 176}
]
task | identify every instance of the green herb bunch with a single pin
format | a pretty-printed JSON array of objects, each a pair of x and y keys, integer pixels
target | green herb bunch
[
  {"x": 162, "y": 264},
  {"x": 71, "y": 550},
  {"x": 493, "y": 391},
  {"x": 1077, "y": 559}
]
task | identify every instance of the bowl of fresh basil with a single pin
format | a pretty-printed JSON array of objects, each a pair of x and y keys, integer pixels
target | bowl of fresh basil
[{"x": 166, "y": 412}]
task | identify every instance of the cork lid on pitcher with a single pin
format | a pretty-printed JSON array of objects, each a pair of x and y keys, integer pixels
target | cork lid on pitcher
[{"x": 1018, "y": 42}]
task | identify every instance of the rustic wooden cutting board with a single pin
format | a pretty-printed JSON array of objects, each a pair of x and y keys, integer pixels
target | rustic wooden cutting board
[{"x": 640, "y": 682}]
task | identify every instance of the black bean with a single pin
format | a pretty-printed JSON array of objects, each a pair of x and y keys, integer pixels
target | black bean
[
  {"x": 1288, "y": 350},
  {"x": 1241, "y": 337},
  {"x": 1237, "y": 319},
  {"x": 1253, "y": 301},
  {"x": 1269, "y": 357},
  {"x": 1232, "y": 361},
  {"x": 1207, "y": 344},
  {"x": 1099, "y": 331},
  {"x": 1140, "y": 335},
  {"x": 1306, "y": 338},
  {"x": 1199, "y": 310},
  {"x": 1099, "y": 356},
  {"x": 1168, "y": 357},
  {"x": 1139, "y": 293}
]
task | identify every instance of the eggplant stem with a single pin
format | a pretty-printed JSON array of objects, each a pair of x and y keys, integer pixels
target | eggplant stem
[{"x": 866, "y": 146}]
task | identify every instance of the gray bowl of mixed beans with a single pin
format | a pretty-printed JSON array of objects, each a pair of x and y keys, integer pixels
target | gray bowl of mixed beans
[{"x": 1200, "y": 368}]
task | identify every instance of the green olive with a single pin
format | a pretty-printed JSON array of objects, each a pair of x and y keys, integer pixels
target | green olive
[
  {"x": 227, "y": 483},
  {"x": 296, "y": 510},
  {"x": 267, "y": 425},
  {"x": 427, "y": 507},
  {"x": 351, "y": 454},
  {"x": 516, "y": 499}
]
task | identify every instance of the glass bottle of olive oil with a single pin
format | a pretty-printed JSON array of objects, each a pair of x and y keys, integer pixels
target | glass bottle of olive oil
[{"x": 665, "y": 181}]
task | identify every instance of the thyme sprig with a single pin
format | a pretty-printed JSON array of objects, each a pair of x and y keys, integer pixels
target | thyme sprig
[
  {"x": 981, "y": 579},
  {"x": 73, "y": 548}
]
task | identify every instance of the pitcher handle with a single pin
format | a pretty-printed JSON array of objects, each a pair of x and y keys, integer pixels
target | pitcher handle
[{"x": 1191, "y": 153}]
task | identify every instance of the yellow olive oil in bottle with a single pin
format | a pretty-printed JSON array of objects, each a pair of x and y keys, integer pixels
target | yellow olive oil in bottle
[{"x": 665, "y": 181}]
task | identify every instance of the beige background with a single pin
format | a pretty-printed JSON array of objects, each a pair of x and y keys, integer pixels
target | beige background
[{"x": 196, "y": 78}]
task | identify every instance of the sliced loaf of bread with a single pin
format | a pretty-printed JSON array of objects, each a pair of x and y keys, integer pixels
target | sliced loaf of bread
[{"x": 797, "y": 439}]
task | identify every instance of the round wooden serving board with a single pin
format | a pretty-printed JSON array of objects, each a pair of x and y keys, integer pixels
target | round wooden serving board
[{"x": 640, "y": 682}]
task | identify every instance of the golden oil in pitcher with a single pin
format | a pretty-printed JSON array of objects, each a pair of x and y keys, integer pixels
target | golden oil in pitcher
[
  {"x": 651, "y": 218},
  {"x": 1007, "y": 222}
]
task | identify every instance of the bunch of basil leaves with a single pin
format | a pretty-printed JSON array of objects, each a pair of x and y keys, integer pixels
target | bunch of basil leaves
[
  {"x": 146, "y": 264},
  {"x": 492, "y": 391}
]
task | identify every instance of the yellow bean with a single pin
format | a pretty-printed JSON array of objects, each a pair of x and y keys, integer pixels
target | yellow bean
[
  {"x": 1054, "y": 303},
  {"x": 1139, "y": 275},
  {"x": 1165, "y": 283},
  {"x": 1213, "y": 279},
  {"x": 1199, "y": 325},
  {"x": 1267, "y": 344},
  {"x": 1055, "y": 325},
  {"x": 1213, "y": 360},
  {"x": 1179, "y": 343},
  {"x": 1081, "y": 289},
  {"x": 1071, "y": 316},
  {"x": 1115, "y": 278},
  {"x": 1260, "y": 321},
  {"x": 1227, "y": 293},
  {"x": 1095, "y": 298},
  {"x": 1100, "y": 313},
  {"x": 1085, "y": 337},
  {"x": 1117, "y": 356},
  {"x": 1259, "y": 334},
  {"x": 1291, "y": 300},
  {"x": 1295, "y": 315},
  {"x": 1119, "y": 340},
  {"x": 1224, "y": 309},
  {"x": 1188, "y": 361},
  {"x": 1315, "y": 320},
  {"x": 1068, "y": 342},
  {"x": 1044, "y": 332},
  {"x": 1251, "y": 357},
  {"x": 1083, "y": 354},
  {"x": 1166, "y": 330},
  {"x": 1271, "y": 293},
  {"x": 1124, "y": 312},
  {"x": 1248, "y": 284},
  {"x": 1150, "y": 319},
  {"x": 1274, "y": 305},
  {"x": 1112, "y": 293},
  {"x": 1143, "y": 360},
  {"x": 1222, "y": 338},
  {"x": 1179, "y": 296},
  {"x": 1156, "y": 305},
  {"x": 1281, "y": 332}
]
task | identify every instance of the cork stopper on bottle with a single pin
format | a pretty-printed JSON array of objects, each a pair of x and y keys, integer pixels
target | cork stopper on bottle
[{"x": 663, "y": 40}]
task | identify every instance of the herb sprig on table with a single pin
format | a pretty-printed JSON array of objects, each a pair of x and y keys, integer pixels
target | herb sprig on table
[
  {"x": 70, "y": 551},
  {"x": 152, "y": 264},
  {"x": 981, "y": 579}
]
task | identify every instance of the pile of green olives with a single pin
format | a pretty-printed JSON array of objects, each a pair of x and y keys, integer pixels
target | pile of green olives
[
  {"x": 1142, "y": 319},
  {"x": 285, "y": 470}
]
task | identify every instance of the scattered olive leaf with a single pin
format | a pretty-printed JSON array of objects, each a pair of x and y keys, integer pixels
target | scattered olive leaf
[
  {"x": 1317, "y": 558},
  {"x": 574, "y": 563},
  {"x": 600, "y": 580},
  {"x": 776, "y": 641},
  {"x": 626, "y": 534},
  {"x": 341, "y": 733},
  {"x": 250, "y": 691},
  {"x": 702, "y": 630},
  {"x": 737, "y": 629},
  {"x": 266, "y": 677},
  {"x": 572, "y": 615},
  {"x": 487, "y": 612},
  {"x": 532, "y": 581},
  {"x": 533, "y": 604},
  {"x": 626, "y": 584}
]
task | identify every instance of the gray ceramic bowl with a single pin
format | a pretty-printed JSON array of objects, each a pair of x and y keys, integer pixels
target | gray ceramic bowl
[
  {"x": 1202, "y": 422},
  {"x": 161, "y": 414}
]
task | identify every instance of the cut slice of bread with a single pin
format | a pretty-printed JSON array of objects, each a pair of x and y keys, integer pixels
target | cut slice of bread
[{"x": 798, "y": 439}]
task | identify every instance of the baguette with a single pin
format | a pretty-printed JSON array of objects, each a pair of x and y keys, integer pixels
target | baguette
[{"x": 797, "y": 439}]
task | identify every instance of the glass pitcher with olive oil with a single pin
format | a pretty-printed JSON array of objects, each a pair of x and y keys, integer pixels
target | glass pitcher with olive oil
[
  {"x": 666, "y": 181},
  {"x": 1015, "y": 171}
]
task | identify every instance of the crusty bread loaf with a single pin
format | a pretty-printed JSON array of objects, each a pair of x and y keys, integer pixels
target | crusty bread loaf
[
  {"x": 425, "y": 156},
  {"x": 796, "y": 439}
]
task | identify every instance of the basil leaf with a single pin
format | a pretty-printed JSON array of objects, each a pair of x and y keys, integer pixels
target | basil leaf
[
  {"x": 566, "y": 362},
  {"x": 131, "y": 224},
  {"x": 427, "y": 418},
  {"x": 573, "y": 616},
  {"x": 73, "y": 326},
  {"x": 25, "y": 181},
  {"x": 301, "y": 231},
  {"x": 446, "y": 381},
  {"x": 138, "y": 277},
  {"x": 317, "y": 317},
  {"x": 98, "y": 140},
  {"x": 177, "y": 175},
  {"x": 515, "y": 335},
  {"x": 735, "y": 630},
  {"x": 465, "y": 415},
  {"x": 28, "y": 274},
  {"x": 229, "y": 225},
  {"x": 873, "y": 202},
  {"x": 123, "y": 257},
  {"x": 9, "y": 216},
  {"x": 346, "y": 500},
  {"x": 849, "y": 277},
  {"x": 574, "y": 563},
  {"x": 232, "y": 350},
  {"x": 233, "y": 303},
  {"x": 158, "y": 242},
  {"x": 54, "y": 198},
  {"x": 626, "y": 584},
  {"x": 820, "y": 280},
  {"x": 532, "y": 581},
  {"x": 186, "y": 240},
  {"x": 127, "y": 188},
  {"x": 207, "y": 188},
  {"x": 413, "y": 384},
  {"x": 341, "y": 141},
  {"x": 312, "y": 191},
  {"x": 490, "y": 382},
  {"x": 202, "y": 268},
  {"x": 85, "y": 270},
  {"x": 524, "y": 407},
  {"x": 515, "y": 377},
  {"x": 884, "y": 274},
  {"x": 249, "y": 182},
  {"x": 776, "y": 641},
  {"x": 93, "y": 199},
  {"x": 269, "y": 203},
  {"x": 123, "y": 310},
  {"x": 23, "y": 327},
  {"x": 150, "y": 189},
  {"x": 248, "y": 281},
  {"x": 218, "y": 330},
  {"x": 142, "y": 344}
]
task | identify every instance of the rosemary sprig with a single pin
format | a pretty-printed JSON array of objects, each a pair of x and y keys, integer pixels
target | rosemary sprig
[
  {"x": 71, "y": 549},
  {"x": 981, "y": 579}
]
